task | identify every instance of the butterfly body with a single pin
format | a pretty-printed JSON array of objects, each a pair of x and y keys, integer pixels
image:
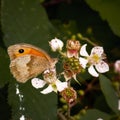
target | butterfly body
[{"x": 28, "y": 61}]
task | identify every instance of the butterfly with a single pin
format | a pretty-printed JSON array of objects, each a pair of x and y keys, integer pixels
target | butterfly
[{"x": 28, "y": 61}]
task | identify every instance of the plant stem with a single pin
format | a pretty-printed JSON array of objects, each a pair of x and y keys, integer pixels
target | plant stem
[
  {"x": 89, "y": 41},
  {"x": 63, "y": 54},
  {"x": 68, "y": 112},
  {"x": 86, "y": 39},
  {"x": 61, "y": 116}
]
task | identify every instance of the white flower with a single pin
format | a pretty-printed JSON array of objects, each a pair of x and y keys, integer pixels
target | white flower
[
  {"x": 119, "y": 104},
  {"x": 99, "y": 119},
  {"x": 56, "y": 44},
  {"x": 56, "y": 86},
  {"x": 117, "y": 66},
  {"x": 49, "y": 78},
  {"x": 94, "y": 60},
  {"x": 22, "y": 117}
]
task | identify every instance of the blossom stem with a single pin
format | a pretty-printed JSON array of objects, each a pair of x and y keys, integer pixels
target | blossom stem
[
  {"x": 63, "y": 54},
  {"x": 68, "y": 112},
  {"x": 89, "y": 41},
  {"x": 69, "y": 107},
  {"x": 86, "y": 39},
  {"x": 61, "y": 116}
]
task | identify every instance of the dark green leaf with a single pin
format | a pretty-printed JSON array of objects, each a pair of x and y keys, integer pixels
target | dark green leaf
[
  {"x": 108, "y": 10},
  {"x": 37, "y": 106},
  {"x": 26, "y": 21},
  {"x": 95, "y": 114},
  {"x": 4, "y": 67},
  {"x": 109, "y": 93}
]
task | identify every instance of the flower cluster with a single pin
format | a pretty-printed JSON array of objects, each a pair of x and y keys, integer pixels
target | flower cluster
[
  {"x": 94, "y": 61},
  {"x": 75, "y": 60}
]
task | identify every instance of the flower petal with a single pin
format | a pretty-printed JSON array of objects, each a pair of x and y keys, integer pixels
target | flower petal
[
  {"x": 83, "y": 51},
  {"x": 22, "y": 117},
  {"x": 99, "y": 119},
  {"x": 83, "y": 62},
  {"x": 92, "y": 71},
  {"x": 37, "y": 83},
  {"x": 97, "y": 50},
  {"x": 117, "y": 66},
  {"x": 102, "y": 67},
  {"x": 74, "y": 76},
  {"x": 71, "y": 53},
  {"x": 61, "y": 85},
  {"x": 119, "y": 104},
  {"x": 47, "y": 90}
]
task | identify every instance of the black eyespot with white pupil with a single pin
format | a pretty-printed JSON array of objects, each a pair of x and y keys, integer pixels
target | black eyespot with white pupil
[{"x": 21, "y": 51}]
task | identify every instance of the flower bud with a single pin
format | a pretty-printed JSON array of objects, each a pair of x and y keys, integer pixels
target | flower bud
[
  {"x": 56, "y": 44},
  {"x": 73, "y": 47},
  {"x": 69, "y": 94},
  {"x": 117, "y": 66},
  {"x": 81, "y": 92}
]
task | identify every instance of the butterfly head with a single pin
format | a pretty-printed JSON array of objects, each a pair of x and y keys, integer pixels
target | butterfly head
[
  {"x": 19, "y": 50},
  {"x": 15, "y": 51}
]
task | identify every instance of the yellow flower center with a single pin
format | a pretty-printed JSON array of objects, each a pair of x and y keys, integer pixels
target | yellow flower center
[
  {"x": 94, "y": 59},
  {"x": 54, "y": 87}
]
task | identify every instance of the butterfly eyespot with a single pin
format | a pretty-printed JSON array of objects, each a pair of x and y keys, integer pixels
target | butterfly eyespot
[{"x": 21, "y": 50}]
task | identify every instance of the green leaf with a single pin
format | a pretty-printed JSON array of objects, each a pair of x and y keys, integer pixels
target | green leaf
[
  {"x": 108, "y": 10},
  {"x": 41, "y": 1},
  {"x": 37, "y": 106},
  {"x": 109, "y": 93},
  {"x": 4, "y": 69},
  {"x": 26, "y": 21},
  {"x": 95, "y": 114}
]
